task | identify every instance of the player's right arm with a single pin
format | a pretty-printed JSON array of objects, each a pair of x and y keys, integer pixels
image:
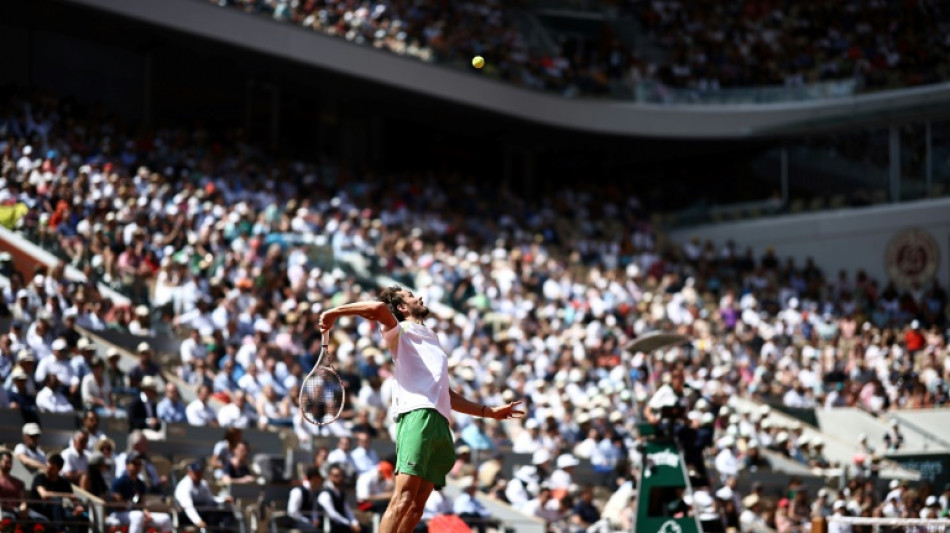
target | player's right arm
[{"x": 377, "y": 311}]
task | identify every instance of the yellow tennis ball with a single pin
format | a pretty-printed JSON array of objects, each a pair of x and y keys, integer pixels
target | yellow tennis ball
[{"x": 478, "y": 61}]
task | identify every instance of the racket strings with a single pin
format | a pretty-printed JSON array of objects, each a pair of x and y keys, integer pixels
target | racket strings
[{"x": 322, "y": 396}]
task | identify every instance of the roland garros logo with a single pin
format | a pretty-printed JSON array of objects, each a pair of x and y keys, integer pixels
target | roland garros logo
[
  {"x": 912, "y": 256},
  {"x": 670, "y": 527}
]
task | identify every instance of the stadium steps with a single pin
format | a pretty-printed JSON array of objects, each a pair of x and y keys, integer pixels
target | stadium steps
[
  {"x": 931, "y": 423},
  {"x": 846, "y": 423},
  {"x": 836, "y": 450}
]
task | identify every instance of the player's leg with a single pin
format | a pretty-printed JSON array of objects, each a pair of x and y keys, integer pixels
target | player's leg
[
  {"x": 402, "y": 502},
  {"x": 411, "y": 520}
]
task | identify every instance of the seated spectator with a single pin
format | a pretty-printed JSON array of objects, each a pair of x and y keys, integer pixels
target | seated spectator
[
  {"x": 58, "y": 363},
  {"x": 13, "y": 493},
  {"x": 90, "y": 424},
  {"x": 95, "y": 390},
  {"x": 342, "y": 456},
  {"x": 469, "y": 509},
  {"x": 20, "y": 395},
  {"x": 199, "y": 506},
  {"x": 224, "y": 449},
  {"x": 128, "y": 495},
  {"x": 270, "y": 410},
  {"x": 238, "y": 413},
  {"x": 332, "y": 500},
  {"x": 237, "y": 471},
  {"x": 364, "y": 456},
  {"x": 585, "y": 512},
  {"x": 143, "y": 410},
  {"x": 28, "y": 452},
  {"x": 199, "y": 412},
  {"x": 543, "y": 507},
  {"x": 302, "y": 508},
  {"x": 475, "y": 436},
  {"x": 98, "y": 476},
  {"x": 192, "y": 349},
  {"x": 171, "y": 409},
  {"x": 463, "y": 466},
  {"x": 138, "y": 446},
  {"x": 146, "y": 366},
  {"x": 50, "y": 400},
  {"x": 198, "y": 374},
  {"x": 55, "y": 491},
  {"x": 374, "y": 488},
  {"x": 562, "y": 478},
  {"x": 106, "y": 447},
  {"x": 81, "y": 363},
  {"x": 76, "y": 462},
  {"x": 114, "y": 375},
  {"x": 224, "y": 380}
]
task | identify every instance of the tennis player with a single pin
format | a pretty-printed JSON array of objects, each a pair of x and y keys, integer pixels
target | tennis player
[{"x": 422, "y": 402}]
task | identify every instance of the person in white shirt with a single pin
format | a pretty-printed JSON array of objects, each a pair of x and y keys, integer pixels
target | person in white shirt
[
  {"x": 469, "y": 509},
  {"x": 75, "y": 460},
  {"x": 95, "y": 390},
  {"x": 727, "y": 464},
  {"x": 543, "y": 507},
  {"x": 50, "y": 400},
  {"x": 563, "y": 477},
  {"x": 341, "y": 455},
  {"x": 374, "y": 488},
  {"x": 199, "y": 504},
  {"x": 523, "y": 486},
  {"x": 28, "y": 452},
  {"x": 250, "y": 382},
  {"x": 363, "y": 456},
  {"x": 750, "y": 519},
  {"x": 839, "y": 509},
  {"x": 423, "y": 399},
  {"x": 58, "y": 363},
  {"x": 198, "y": 412},
  {"x": 529, "y": 440},
  {"x": 237, "y": 413}
]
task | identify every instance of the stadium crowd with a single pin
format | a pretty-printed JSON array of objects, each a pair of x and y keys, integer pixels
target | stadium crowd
[
  {"x": 223, "y": 247},
  {"x": 706, "y": 46}
]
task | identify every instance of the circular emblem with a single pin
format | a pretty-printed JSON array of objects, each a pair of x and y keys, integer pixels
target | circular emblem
[
  {"x": 912, "y": 256},
  {"x": 670, "y": 527}
]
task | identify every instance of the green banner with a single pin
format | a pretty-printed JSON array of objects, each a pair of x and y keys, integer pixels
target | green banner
[
  {"x": 660, "y": 507},
  {"x": 934, "y": 468}
]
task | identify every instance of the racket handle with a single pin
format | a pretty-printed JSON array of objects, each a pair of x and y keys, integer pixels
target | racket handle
[{"x": 326, "y": 338}]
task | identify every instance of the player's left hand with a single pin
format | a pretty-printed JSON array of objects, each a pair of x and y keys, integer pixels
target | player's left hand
[{"x": 506, "y": 411}]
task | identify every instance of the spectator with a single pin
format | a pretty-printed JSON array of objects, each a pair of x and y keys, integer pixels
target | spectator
[
  {"x": 585, "y": 513},
  {"x": 893, "y": 438},
  {"x": 95, "y": 390},
  {"x": 55, "y": 491},
  {"x": 523, "y": 486},
  {"x": 224, "y": 449},
  {"x": 199, "y": 505},
  {"x": 544, "y": 507},
  {"x": 96, "y": 479},
  {"x": 90, "y": 424},
  {"x": 146, "y": 366},
  {"x": 170, "y": 409},
  {"x": 106, "y": 448},
  {"x": 224, "y": 380},
  {"x": 114, "y": 375},
  {"x": 342, "y": 456},
  {"x": 148, "y": 474},
  {"x": 529, "y": 440},
  {"x": 363, "y": 456},
  {"x": 128, "y": 494},
  {"x": 28, "y": 452},
  {"x": 143, "y": 411},
  {"x": 192, "y": 349},
  {"x": 469, "y": 509},
  {"x": 751, "y": 519},
  {"x": 50, "y": 399},
  {"x": 238, "y": 413},
  {"x": 374, "y": 488},
  {"x": 475, "y": 437},
  {"x": 20, "y": 397},
  {"x": 75, "y": 460},
  {"x": 302, "y": 506},
  {"x": 270, "y": 410},
  {"x": 82, "y": 361},
  {"x": 58, "y": 363},
  {"x": 13, "y": 492},
  {"x": 237, "y": 471},
  {"x": 562, "y": 478},
  {"x": 198, "y": 412},
  {"x": 333, "y": 502}
]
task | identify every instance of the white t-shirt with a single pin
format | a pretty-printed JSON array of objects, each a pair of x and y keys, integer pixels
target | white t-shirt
[{"x": 422, "y": 369}]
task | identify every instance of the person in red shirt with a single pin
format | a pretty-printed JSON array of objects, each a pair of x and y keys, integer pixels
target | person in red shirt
[
  {"x": 913, "y": 338},
  {"x": 13, "y": 492}
]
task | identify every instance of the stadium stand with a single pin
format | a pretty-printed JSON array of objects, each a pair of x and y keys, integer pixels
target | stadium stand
[{"x": 233, "y": 256}]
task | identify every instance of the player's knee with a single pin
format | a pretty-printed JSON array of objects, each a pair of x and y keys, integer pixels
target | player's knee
[{"x": 403, "y": 503}]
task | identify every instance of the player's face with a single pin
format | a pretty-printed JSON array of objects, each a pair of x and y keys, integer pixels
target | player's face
[{"x": 414, "y": 305}]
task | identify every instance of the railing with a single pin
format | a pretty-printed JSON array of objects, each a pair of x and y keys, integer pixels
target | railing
[{"x": 657, "y": 93}]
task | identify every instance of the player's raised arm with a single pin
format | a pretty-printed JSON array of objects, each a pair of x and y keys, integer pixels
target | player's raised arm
[{"x": 377, "y": 311}]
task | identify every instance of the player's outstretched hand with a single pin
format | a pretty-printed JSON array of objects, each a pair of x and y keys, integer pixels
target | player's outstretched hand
[
  {"x": 326, "y": 321},
  {"x": 506, "y": 411}
]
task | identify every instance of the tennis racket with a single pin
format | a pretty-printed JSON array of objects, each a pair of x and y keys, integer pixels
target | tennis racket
[{"x": 322, "y": 394}]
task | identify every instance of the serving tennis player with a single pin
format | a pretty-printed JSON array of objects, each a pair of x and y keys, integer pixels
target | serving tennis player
[{"x": 422, "y": 401}]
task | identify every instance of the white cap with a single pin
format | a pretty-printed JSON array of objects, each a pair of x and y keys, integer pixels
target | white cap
[
  {"x": 143, "y": 347},
  {"x": 149, "y": 382},
  {"x": 724, "y": 493},
  {"x": 32, "y": 429},
  {"x": 839, "y": 504},
  {"x": 727, "y": 441},
  {"x": 894, "y": 484},
  {"x": 540, "y": 457},
  {"x": 567, "y": 460},
  {"x": 59, "y": 344},
  {"x": 532, "y": 423}
]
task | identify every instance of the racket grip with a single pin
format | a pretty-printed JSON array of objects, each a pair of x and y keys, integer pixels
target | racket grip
[{"x": 325, "y": 341}]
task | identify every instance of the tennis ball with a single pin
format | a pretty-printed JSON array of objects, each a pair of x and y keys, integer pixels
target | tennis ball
[{"x": 478, "y": 61}]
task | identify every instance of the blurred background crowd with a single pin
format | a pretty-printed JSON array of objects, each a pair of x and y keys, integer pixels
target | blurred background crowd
[{"x": 235, "y": 254}]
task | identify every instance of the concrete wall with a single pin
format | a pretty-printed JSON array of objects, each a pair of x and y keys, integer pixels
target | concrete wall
[{"x": 848, "y": 239}]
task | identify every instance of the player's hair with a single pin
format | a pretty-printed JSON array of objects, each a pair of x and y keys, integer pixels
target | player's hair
[{"x": 393, "y": 299}]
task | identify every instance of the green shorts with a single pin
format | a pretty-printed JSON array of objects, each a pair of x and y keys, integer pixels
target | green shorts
[{"x": 424, "y": 445}]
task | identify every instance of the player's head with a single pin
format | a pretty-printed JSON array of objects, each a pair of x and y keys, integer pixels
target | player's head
[{"x": 402, "y": 303}]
